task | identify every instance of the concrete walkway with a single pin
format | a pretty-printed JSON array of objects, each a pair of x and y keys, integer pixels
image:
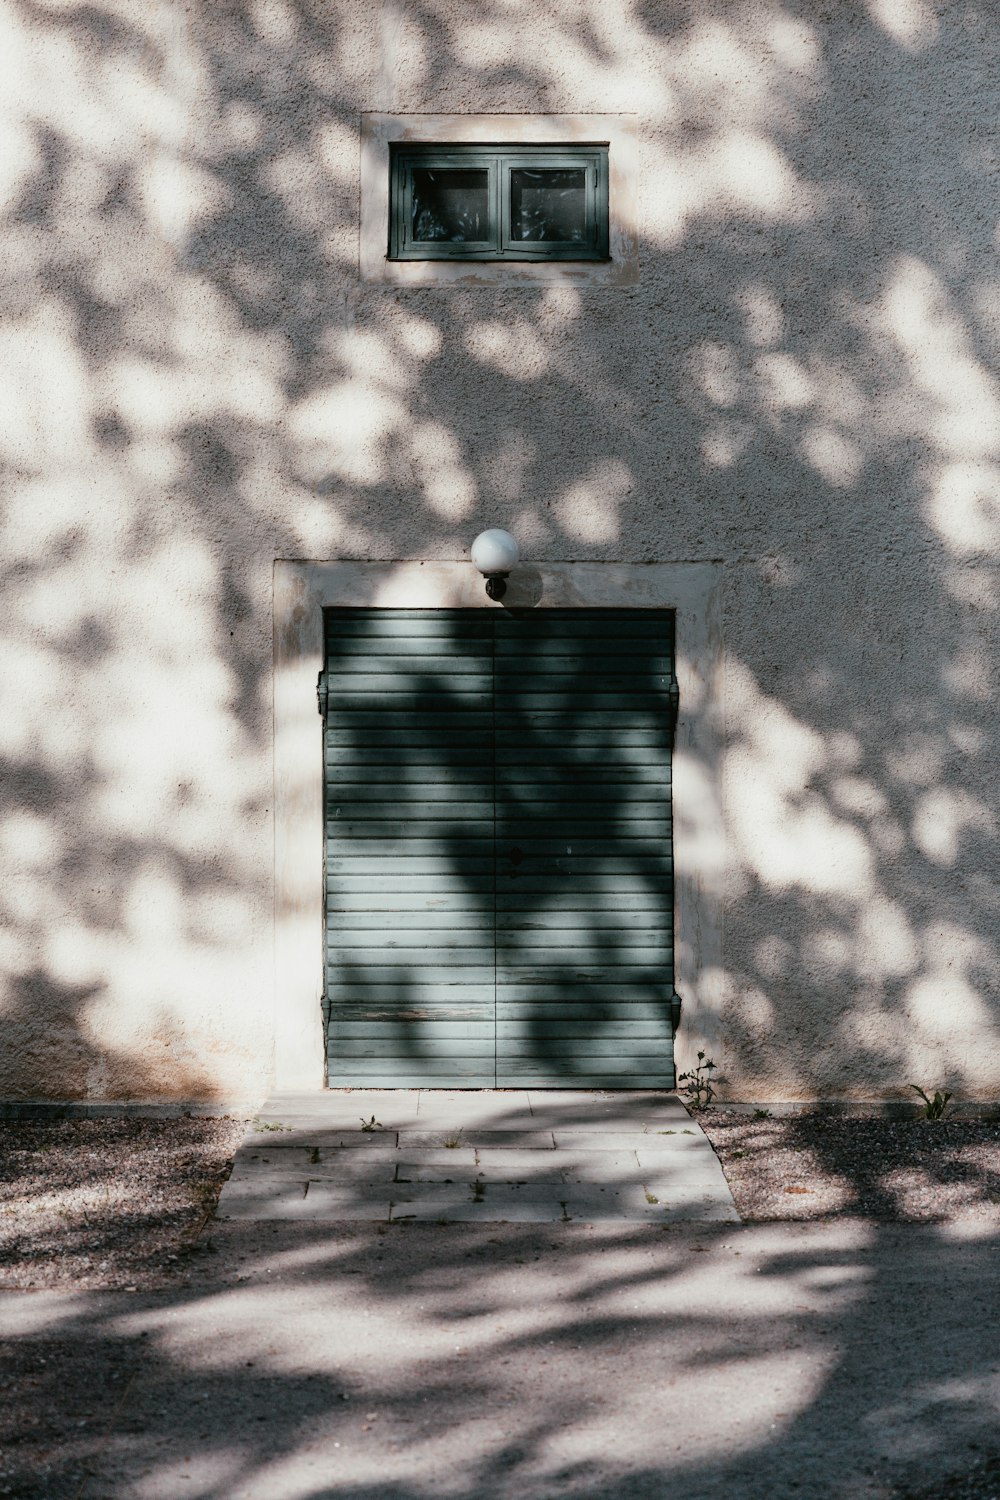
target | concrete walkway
[
  {"x": 307, "y": 1361},
  {"x": 500, "y": 1156}
]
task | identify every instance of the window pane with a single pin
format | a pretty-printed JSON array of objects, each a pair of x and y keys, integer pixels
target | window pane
[
  {"x": 450, "y": 204},
  {"x": 548, "y": 205}
]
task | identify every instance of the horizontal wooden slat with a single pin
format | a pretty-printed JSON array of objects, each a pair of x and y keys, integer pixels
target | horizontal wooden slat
[
  {"x": 533, "y": 949},
  {"x": 432, "y": 1032},
  {"x": 454, "y": 802},
  {"x": 340, "y": 973},
  {"x": 547, "y": 842},
  {"x": 583, "y": 903},
  {"x": 443, "y": 667},
  {"x": 445, "y": 888},
  {"x": 424, "y": 724},
  {"x": 619, "y": 753},
  {"x": 578, "y": 688},
  {"x": 600, "y": 920},
  {"x": 416, "y": 954},
  {"x": 602, "y": 1005},
  {"x": 372, "y": 1074},
  {"x": 580, "y": 1078},
  {"x": 371, "y": 781},
  {"x": 356, "y": 838},
  {"x": 466, "y": 786},
  {"x": 530, "y": 978},
  {"x": 472, "y": 870},
  {"x": 411, "y": 624},
  {"x": 463, "y": 945},
  {"x": 598, "y": 709},
  {"x": 547, "y": 791},
  {"x": 472, "y": 817},
  {"x": 430, "y": 1041},
  {"x": 562, "y": 1059},
  {"x": 461, "y": 785},
  {"x": 399, "y": 752},
  {"x": 550, "y": 631},
  {"x": 535, "y": 875},
  {"x": 419, "y": 689},
  {"x": 473, "y": 1003},
  {"x": 411, "y": 921},
  {"x": 450, "y": 873},
  {"x": 617, "y": 1054},
  {"x": 512, "y": 661},
  {"x": 582, "y": 815}
]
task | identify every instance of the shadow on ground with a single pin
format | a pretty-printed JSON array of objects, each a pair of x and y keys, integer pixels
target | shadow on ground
[{"x": 846, "y": 1358}]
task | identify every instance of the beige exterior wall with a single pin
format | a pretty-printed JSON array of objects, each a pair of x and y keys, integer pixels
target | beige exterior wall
[{"x": 798, "y": 390}]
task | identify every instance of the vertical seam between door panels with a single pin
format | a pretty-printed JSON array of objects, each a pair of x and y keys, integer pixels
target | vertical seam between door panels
[
  {"x": 673, "y": 710},
  {"x": 325, "y": 1003},
  {"x": 493, "y": 722}
]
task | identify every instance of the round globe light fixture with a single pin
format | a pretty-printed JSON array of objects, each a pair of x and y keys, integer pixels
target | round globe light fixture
[{"x": 494, "y": 553}]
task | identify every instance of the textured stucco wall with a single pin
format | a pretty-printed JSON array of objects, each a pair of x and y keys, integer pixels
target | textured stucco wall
[{"x": 801, "y": 387}]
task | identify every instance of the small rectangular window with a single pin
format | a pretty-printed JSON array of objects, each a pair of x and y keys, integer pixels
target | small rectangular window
[{"x": 501, "y": 203}]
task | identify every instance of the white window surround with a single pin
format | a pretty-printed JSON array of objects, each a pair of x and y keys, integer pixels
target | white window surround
[
  {"x": 378, "y": 130},
  {"x": 301, "y": 592}
]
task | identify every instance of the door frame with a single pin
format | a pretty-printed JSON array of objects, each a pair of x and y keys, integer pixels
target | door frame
[{"x": 303, "y": 589}]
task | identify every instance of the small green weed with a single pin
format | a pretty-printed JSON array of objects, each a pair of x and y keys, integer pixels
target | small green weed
[
  {"x": 652, "y": 1198},
  {"x": 258, "y": 1124},
  {"x": 371, "y": 1124},
  {"x": 666, "y": 1132},
  {"x": 762, "y": 1114},
  {"x": 698, "y": 1087},
  {"x": 933, "y": 1108},
  {"x": 451, "y": 1142}
]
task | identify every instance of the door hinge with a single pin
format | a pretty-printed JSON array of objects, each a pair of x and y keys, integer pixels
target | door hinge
[
  {"x": 675, "y": 1012},
  {"x": 674, "y": 694},
  {"x": 321, "y": 692}
]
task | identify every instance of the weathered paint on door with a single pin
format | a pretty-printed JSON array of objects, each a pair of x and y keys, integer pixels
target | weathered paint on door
[{"x": 498, "y": 852}]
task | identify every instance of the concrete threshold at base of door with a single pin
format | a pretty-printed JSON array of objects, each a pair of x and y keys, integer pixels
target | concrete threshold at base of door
[{"x": 574, "y": 1157}]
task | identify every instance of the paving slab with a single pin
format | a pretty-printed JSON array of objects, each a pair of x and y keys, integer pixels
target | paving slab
[
  {"x": 303, "y": 1201},
  {"x": 443, "y": 1209},
  {"x": 333, "y": 1137},
  {"x": 618, "y": 1111},
  {"x": 622, "y": 1140},
  {"x": 354, "y": 1168},
  {"x": 556, "y": 1166},
  {"x": 536, "y": 1140},
  {"x": 485, "y": 1109},
  {"x": 498, "y": 1156},
  {"x": 439, "y": 1166},
  {"x": 342, "y": 1107}
]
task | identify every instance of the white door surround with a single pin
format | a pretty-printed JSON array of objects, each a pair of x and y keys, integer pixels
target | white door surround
[{"x": 303, "y": 589}]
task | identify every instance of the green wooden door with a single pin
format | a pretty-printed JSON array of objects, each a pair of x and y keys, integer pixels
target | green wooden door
[{"x": 498, "y": 852}]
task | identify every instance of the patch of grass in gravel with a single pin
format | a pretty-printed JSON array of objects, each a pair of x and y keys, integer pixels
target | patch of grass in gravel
[
  {"x": 815, "y": 1166},
  {"x": 107, "y": 1203}
]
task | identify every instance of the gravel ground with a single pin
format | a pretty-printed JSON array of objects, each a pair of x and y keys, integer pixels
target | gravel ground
[
  {"x": 88, "y": 1204},
  {"x": 120, "y": 1203},
  {"x": 102, "y": 1203},
  {"x": 820, "y": 1165}
]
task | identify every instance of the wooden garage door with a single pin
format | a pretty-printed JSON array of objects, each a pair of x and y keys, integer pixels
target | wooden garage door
[{"x": 499, "y": 890}]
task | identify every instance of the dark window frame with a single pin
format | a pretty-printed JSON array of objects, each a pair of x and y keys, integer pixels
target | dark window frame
[{"x": 499, "y": 161}]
